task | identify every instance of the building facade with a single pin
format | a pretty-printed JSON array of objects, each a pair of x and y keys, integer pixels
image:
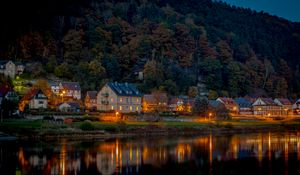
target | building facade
[
  {"x": 286, "y": 106},
  {"x": 121, "y": 97},
  {"x": 230, "y": 104},
  {"x": 266, "y": 107},
  {"x": 11, "y": 69},
  {"x": 155, "y": 102},
  {"x": 90, "y": 101},
  {"x": 38, "y": 101},
  {"x": 70, "y": 90}
]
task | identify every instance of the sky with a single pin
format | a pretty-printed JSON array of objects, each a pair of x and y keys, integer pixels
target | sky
[{"x": 288, "y": 9}]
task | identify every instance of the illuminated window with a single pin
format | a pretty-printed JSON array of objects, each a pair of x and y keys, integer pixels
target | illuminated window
[
  {"x": 120, "y": 108},
  {"x": 137, "y": 108},
  {"x": 137, "y": 100},
  {"x": 121, "y": 99},
  {"x": 112, "y": 107},
  {"x": 130, "y": 108},
  {"x": 112, "y": 100}
]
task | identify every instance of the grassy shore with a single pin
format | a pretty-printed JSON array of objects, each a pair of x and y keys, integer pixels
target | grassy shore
[{"x": 43, "y": 129}]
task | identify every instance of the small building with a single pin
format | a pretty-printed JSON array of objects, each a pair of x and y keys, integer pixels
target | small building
[
  {"x": 296, "y": 107},
  {"x": 266, "y": 107},
  {"x": 244, "y": 105},
  {"x": 11, "y": 69},
  {"x": 54, "y": 87},
  {"x": 90, "y": 101},
  {"x": 68, "y": 107},
  {"x": 230, "y": 104},
  {"x": 182, "y": 104},
  {"x": 38, "y": 100},
  {"x": 121, "y": 97},
  {"x": 70, "y": 90},
  {"x": 155, "y": 101},
  {"x": 286, "y": 105},
  {"x": 216, "y": 109}
]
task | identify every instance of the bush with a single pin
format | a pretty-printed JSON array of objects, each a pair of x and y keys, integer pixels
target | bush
[{"x": 87, "y": 126}]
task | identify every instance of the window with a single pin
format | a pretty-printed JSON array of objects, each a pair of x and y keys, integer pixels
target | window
[
  {"x": 41, "y": 102},
  {"x": 120, "y": 108},
  {"x": 137, "y": 100},
  {"x": 121, "y": 99},
  {"x": 137, "y": 108},
  {"x": 127, "y": 101},
  {"x": 112, "y": 100},
  {"x": 130, "y": 108},
  {"x": 112, "y": 107}
]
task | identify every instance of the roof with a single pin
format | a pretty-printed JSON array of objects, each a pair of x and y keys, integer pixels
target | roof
[
  {"x": 156, "y": 97},
  {"x": 214, "y": 103},
  {"x": 268, "y": 101},
  {"x": 72, "y": 104},
  {"x": 243, "y": 102},
  {"x": 227, "y": 101},
  {"x": 184, "y": 99},
  {"x": 124, "y": 89},
  {"x": 32, "y": 94},
  {"x": 92, "y": 94},
  {"x": 71, "y": 85},
  {"x": 284, "y": 101}
]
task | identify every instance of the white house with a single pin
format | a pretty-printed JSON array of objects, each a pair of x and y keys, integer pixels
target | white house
[{"x": 121, "y": 97}]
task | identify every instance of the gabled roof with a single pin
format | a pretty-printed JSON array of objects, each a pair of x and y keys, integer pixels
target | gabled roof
[
  {"x": 184, "y": 99},
  {"x": 243, "y": 102},
  {"x": 124, "y": 89},
  {"x": 284, "y": 101},
  {"x": 71, "y": 85},
  {"x": 92, "y": 94},
  {"x": 156, "y": 97},
  {"x": 33, "y": 94},
  {"x": 267, "y": 101},
  {"x": 227, "y": 101}
]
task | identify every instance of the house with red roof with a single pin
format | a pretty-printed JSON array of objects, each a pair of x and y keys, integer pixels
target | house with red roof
[
  {"x": 70, "y": 90},
  {"x": 286, "y": 105},
  {"x": 155, "y": 101},
  {"x": 230, "y": 104},
  {"x": 266, "y": 107}
]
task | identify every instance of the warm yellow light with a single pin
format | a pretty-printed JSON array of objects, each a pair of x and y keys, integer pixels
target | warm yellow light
[
  {"x": 269, "y": 114},
  {"x": 210, "y": 114},
  {"x": 117, "y": 113},
  {"x": 234, "y": 108}
]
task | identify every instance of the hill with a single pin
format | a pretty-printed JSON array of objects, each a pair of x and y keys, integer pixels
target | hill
[{"x": 236, "y": 51}]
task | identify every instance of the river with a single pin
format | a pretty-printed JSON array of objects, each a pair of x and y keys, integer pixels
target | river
[{"x": 263, "y": 153}]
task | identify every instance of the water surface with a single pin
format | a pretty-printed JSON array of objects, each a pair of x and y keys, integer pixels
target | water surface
[{"x": 264, "y": 153}]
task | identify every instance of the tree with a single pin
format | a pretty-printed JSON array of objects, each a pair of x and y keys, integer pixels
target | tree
[
  {"x": 193, "y": 91},
  {"x": 224, "y": 51},
  {"x": 73, "y": 44},
  {"x": 200, "y": 106},
  {"x": 153, "y": 74}
]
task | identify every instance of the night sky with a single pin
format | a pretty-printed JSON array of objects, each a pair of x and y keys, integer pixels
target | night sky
[{"x": 288, "y": 9}]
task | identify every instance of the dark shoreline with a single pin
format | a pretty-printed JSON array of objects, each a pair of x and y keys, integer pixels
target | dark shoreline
[{"x": 173, "y": 132}]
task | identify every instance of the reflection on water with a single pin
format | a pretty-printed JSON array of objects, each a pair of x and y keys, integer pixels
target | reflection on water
[{"x": 265, "y": 153}]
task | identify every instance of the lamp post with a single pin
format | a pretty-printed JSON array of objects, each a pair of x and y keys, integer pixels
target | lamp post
[
  {"x": 209, "y": 115},
  {"x": 117, "y": 113},
  {"x": 62, "y": 95}
]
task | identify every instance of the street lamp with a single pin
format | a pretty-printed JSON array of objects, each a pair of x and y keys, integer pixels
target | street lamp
[
  {"x": 62, "y": 95},
  {"x": 209, "y": 115}
]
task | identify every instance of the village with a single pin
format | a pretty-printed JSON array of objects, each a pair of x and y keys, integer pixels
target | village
[{"x": 116, "y": 99}]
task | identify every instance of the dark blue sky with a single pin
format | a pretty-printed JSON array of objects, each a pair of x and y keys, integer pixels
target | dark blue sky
[{"x": 289, "y": 9}]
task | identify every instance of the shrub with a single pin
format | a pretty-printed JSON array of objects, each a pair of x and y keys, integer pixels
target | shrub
[{"x": 87, "y": 126}]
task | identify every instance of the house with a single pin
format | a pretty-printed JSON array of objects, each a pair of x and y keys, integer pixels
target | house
[
  {"x": 38, "y": 100},
  {"x": 90, "y": 101},
  {"x": 296, "y": 107},
  {"x": 155, "y": 101},
  {"x": 10, "y": 69},
  {"x": 244, "y": 105},
  {"x": 11, "y": 95},
  {"x": 121, "y": 97},
  {"x": 286, "y": 105},
  {"x": 181, "y": 104},
  {"x": 54, "y": 87},
  {"x": 216, "y": 109},
  {"x": 70, "y": 90},
  {"x": 230, "y": 104},
  {"x": 68, "y": 107},
  {"x": 266, "y": 107}
]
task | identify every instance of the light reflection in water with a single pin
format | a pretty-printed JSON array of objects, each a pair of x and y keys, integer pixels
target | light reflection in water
[{"x": 121, "y": 156}]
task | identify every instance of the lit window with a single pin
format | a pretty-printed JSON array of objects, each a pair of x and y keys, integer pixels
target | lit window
[
  {"x": 112, "y": 100},
  {"x": 112, "y": 107},
  {"x": 130, "y": 108},
  {"x": 137, "y": 108},
  {"x": 121, "y": 99},
  {"x": 137, "y": 100},
  {"x": 120, "y": 108}
]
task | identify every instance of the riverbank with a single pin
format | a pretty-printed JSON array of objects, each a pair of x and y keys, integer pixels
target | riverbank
[{"x": 39, "y": 129}]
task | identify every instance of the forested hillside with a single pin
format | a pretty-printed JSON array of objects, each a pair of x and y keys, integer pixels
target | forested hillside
[{"x": 236, "y": 51}]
